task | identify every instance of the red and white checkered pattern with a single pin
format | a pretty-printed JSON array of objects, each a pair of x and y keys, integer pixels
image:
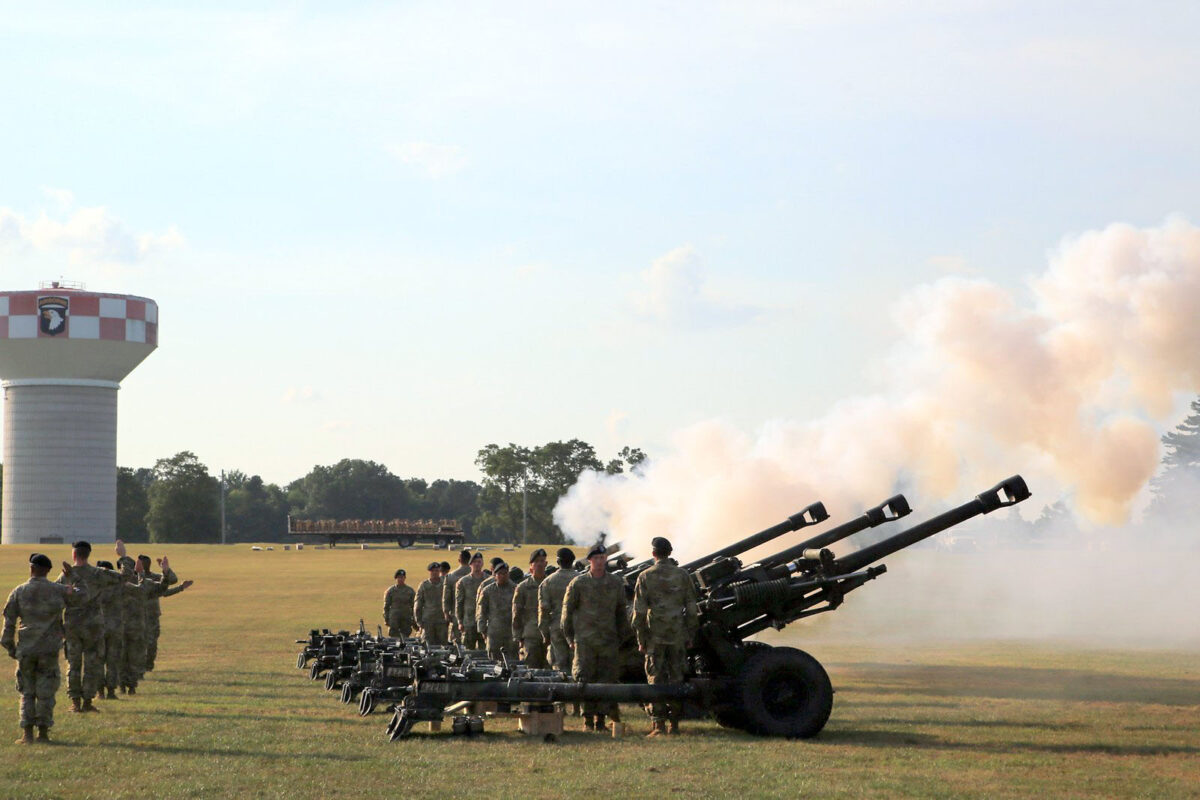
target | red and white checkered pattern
[{"x": 90, "y": 315}]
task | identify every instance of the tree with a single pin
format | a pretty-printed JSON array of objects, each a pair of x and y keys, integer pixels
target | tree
[
  {"x": 351, "y": 489},
  {"x": 183, "y": 501},
  {"x": 133, "y": 503},
  {"x": 1175, "y": 489},
  {"x": 255, "y": 511}
]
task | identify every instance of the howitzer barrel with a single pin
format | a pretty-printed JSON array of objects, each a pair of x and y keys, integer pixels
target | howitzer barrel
[
  {"x": 1006, "y": 493},
  {"x": 810, "y": 515},
  {"x": 891, "y": 509}
]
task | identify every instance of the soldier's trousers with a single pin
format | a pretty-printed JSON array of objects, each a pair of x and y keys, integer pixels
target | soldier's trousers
[
  {"x": 152, "y": 631},
  {"x": 501, "y": 645},
  {"x": 133, "y": 656},
  {"x": 85, "y": 659},
  {"x": 560, "y": 650},
  {"x": 533, "y": 649},
  {"x": 37, "y": 681},
  {"x": 401, "y": 628},
  {"x": 597, "y": 663},
  {"x": 452, "y": 631},
  {"x": 471, "y": 638},
  {"x": 434, "y": 633},
  {"x": 113, "y": 651},
  {"x": 664, "y": 664}
]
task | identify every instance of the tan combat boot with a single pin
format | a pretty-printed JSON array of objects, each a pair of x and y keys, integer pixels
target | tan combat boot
[
  {"x": 659, "y": 729},
  {"x": 88, "y": 706},
  {"x": 26, "y": 735},
  {"x": 600, "y": 726},
  {"x": 76, "y": 705},
  {"x": 43, "y": 733}
]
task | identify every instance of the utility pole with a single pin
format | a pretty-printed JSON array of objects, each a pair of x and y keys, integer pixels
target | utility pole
[{"x": 222, "y": 506}]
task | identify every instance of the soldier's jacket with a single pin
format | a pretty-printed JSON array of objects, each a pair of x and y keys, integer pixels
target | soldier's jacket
[
  {"x": 594, "y": 611},
  {"x": 427, "y": 607},
  {"x": 398, "y": 603},
  {"x": 110, "y": 603},
  {"x": 550, "y": 600},
  {"x": 525, "y": 608},
  {"x": 135, "y": 599},
  {"x": 91, "y": 580},
  {"x": 664, "y": 606},
  {"x": 154, "y": 608},
  {"x": 39, "y": 605},
  {"x": 493, "y": 609},
  {"x": 466, "y": 593},
  {"x": 449, "y": 582}
]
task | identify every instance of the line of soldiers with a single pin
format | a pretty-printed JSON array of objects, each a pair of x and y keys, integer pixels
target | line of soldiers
[
  {"x": 561, "y": 618},
  {"x": 106, "y": 617}
]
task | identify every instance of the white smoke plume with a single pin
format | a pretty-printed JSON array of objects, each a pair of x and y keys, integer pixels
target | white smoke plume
[{"x": 1070, "y": 387}]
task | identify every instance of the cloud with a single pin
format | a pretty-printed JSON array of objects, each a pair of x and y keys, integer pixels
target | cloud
[
  {"x": 616, "y": 422},
  {"x": 675, "y": 292},
  {"x": 86, "y": 234},
  {"x": 437, "y": 160},
  {"x": 300, "y": 394}
]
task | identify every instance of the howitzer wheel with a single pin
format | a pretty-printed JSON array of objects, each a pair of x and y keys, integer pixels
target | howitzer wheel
[
  {"x": 301, "y": 661},
  {"x": 331, "y": 681},
  {"x": 400, "y": 726},
  {"x": 366, "y": 702},
  {"x": 314, "y": 671},
  {"x": 347, "y": 693},
  {"x": 782, "y": 691},
  {"x": 729, "y": 716}
]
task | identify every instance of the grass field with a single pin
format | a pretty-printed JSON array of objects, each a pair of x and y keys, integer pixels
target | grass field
[{"x": 227, "y": 713}]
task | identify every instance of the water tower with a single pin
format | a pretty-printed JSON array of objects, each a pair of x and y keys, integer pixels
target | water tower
[{"x": 63, "y": 353}]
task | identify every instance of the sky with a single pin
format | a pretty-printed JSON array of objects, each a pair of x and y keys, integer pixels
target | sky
[{"x": 403, "y": 231}]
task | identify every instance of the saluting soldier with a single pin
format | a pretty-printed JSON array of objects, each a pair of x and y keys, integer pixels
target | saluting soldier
[
  {"x": 398, "y": 606},
  {"x": 37, "y": 605},
  {"x": 427, "y": 607},
  {"x": 137, "y": 591},
  {"x": 550, "y": 602},
  {"x": 595, "y": 619},
  {"x": 114, "y": 635},
  {"x": 665, "y": 619},
  {"x": 466, "y": 593},
  {"x": 154, "y": 609},
  {"x": 84, "y": 625},
  {"x": 494, "y": 614},
  {"x": 448, "y": 584},
  {"x": 525, "y": 613}
]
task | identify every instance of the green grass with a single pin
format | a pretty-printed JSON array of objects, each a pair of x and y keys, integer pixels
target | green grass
[{"x": 227, "y": 713}]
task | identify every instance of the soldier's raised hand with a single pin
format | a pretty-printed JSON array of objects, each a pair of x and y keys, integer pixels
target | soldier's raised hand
[
  {"x": 185, "y": 584},
  {"x": 162, "y": 562},
  {"x": 66, "y": 568},
  {"x": 120, "y": 549}
]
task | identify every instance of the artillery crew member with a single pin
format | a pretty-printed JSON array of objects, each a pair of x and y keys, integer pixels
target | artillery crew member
[
  {"x": 494, "y": 615},
  {"x": 398, "y": 606},
  {"x": 427, "y": 607},
  {"x": 665, "y": 619},
  {"x": 449, "y": 582},
  {"x": 595, "y": 619},
  {"x": 38, "y": 606},
  {"x": 525, "y": 613},
  {"x": 466, "y": 593},
  {"x": 84, "y": 627},
  {"x": 550, "y": 603}
]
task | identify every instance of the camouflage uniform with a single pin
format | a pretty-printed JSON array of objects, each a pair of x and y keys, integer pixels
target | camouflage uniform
[
  {"x": 525, "y": 623},
  {"x": 114, "y": 634},
  {"x": 595, "y": 619},
  {"x": 466, "y": 593},
  {"x": 550, "y": 603},
  {"x": 39, "y": 605},
  {"x": 449, "y": 582},
  {"x": 153, "y": 613},
  {"x": 398, "y": 610},
  {"x": 84, "y": 625},
  {"x": 136, "y": 594},
  {"x": 427, "y": 608},
  {"x": 665, "y": 618},
  {"x": 493, "y": 615}
]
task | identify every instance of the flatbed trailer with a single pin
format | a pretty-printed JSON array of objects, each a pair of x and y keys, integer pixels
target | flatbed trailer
[{"x": 404, "y": 532}]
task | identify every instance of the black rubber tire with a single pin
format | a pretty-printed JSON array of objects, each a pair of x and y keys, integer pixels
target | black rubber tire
[
  {"x": 732, "y": 716},
  {"x": 783, "y": 691},
  {"x": 404, "y": 541}
]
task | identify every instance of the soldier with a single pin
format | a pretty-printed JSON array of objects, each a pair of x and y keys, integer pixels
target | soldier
[
  {"x": 398, "y": 606},
  {"x": 595, "y": 619},
  {"x": 550, "y": 602},
  {"x": 84, "y": 626},
  {"x": 466, "y": 592},
  {"x": 136, "y": 593},
  {"x": 665, "y": 620},
  {"x": 154, "y": 609},
  {"x": 525, "y": 613},
  {"x": 114, "y": 634},
  {"x": 38, "y": 604},
  {"x": 491, "y": 573},
  {"x": 494, "y": 614},
  {"x": 451, "y": 580},
  {"x": 427, "y": 607}
]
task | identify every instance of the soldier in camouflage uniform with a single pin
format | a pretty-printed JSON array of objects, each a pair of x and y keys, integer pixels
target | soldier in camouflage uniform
[
  {"x": 38, "y": 604},
  {"x": 550, "y": 602},
  {"x": 114, "y": 634},
  {"x": 398, "y": 606},
  {"x": 449, "y": 582},
  {"x": 427, "y": 607},
  {"x": 466, "y": 592},
  {"x": 665, "y": 619},
  {"x": 494, "y": 614},
  {"x": 136, "y": 593},
  {"x": 154, "y": 610},
  {"x": 84, "y": 625},
  {"x": 595, "y": 619},
  {"x": 525, "y": 613}
]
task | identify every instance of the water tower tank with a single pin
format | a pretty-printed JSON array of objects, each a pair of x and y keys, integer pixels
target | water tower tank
[{"x": 63, "y": 353}]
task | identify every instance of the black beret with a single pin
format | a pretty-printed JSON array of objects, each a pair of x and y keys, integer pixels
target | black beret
[
  {"x": 497, "y": 560},
  {"x": 39, "y": 560},
  {"x": 501, "y": 566},
  {"x": 400, "y": 574},
  {"x": 82, "y": 545},
  {"x": 104, "y": 564},
  {"x": 434, "y": 565},
  {"x": 536, "y": 554},
  {"x": 465, "y": 552},
  {"x": 445, "y": 565},
  {"x": 144, "y": 558},
  {"x": 477, "y": 556},
  {"x": 597, "y": 550},
  {"x": 660, "y": 545}
]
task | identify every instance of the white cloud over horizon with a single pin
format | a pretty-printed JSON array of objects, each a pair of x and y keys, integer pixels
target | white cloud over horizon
[
  {"x": 674, "y": 291},
  {"x": 87, "y": 234}
]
